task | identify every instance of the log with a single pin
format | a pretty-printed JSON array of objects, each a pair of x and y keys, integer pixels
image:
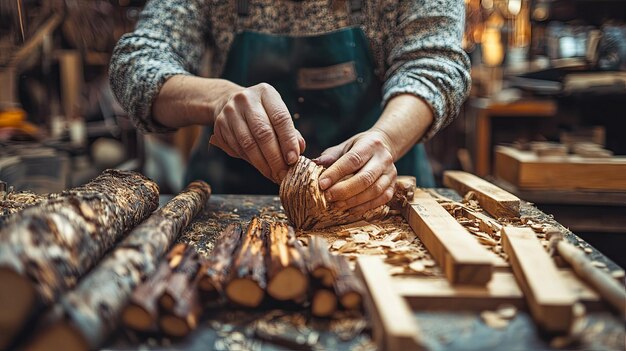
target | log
[
  {"x": 463, "y": 259},
  {"x": 45, "y": 248},
  {"x": 497, "y": 202},
  {"x": 305, "y": 204},
  {"x": 551, "y": 303},
  {"x": 321, "y": 264},
  {"x": 323, "y": 303},
  {"x": 181, "y": 280},
  {"x": 184, "y": 315},
  {"x": 247, "y": 279},
  {"x": 287, "y": 276},
  {"x": 216, "y": 268},
  {"x": 91, "y": 311},
  {"x": 348, "y": 288}
]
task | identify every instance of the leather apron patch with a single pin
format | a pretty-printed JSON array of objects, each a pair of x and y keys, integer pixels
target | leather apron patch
[{"x": 326, "y": 77}]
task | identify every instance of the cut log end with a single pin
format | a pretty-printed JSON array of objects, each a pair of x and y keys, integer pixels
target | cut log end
[
  {"x": 244, "y": 292},
  {"x": 176, "y": 326},
  {"x": 351, "y": 301},
  {"x": 16, "y": 303},
  {"x": 324, "y": 303},
  {"x": 60, "y": 336},
  {"x": 324, "y": 275},
  {"x": 288, "y": 284},
  {"x": 137, "y": 318}
]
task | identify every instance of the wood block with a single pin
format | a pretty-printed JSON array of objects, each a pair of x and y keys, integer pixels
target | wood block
[
  {"x": 497, "y": 202},
  {"x": 394, "y": 325},
  {"x": 462, "y": 258},
  {"x": 437, "y": 294},
  {"x": 550, "y": 301},
  {"x": 527, "y": 171}
]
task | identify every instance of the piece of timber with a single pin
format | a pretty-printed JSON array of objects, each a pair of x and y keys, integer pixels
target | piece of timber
[
  {"x": 462, "y": 258},
  {"x": 184, "y": 315},
  {"x": 323, "y": 302},
  {"x": 305, "y": 204},
  {"x": 601, "y": 281},
  {"x": 181, "y": 280},
  {"x": 287, "y": 276},
  {"x": 216, "y": 268},
  {"x": 550, "y": 302},
  {"x": 437, "y": 294},
  {"x": 321, "y": 264},
  {"x": 527, "y": 171},
  {"x": 394, "y": 326},
  {"x": 92, "y": 309},
  {"x": 247, "y": 279},
  {"x": 497, "y": 202},
  {"x": 45, "y": 248},
  {"x": 348, "y": 287}
]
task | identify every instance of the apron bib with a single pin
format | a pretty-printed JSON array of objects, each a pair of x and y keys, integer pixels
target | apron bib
[{"x": 329, "y": 86}]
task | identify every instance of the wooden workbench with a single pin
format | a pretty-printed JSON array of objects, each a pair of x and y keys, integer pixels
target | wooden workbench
[{"x": 225, "y": 328}]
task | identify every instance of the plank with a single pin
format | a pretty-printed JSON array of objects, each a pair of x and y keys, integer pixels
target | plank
[
  {"x": 526, "y": 170},
  {"x": 496, "y": 201},
  {"x": 550, "y": 301},
  {"x": 462, "y": 258},
  {"x": 394, "y": 326},
  {"x": 437, "y": 294}
]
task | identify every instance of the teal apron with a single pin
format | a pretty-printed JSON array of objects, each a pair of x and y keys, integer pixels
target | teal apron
[{"x": 329, "y": 86}]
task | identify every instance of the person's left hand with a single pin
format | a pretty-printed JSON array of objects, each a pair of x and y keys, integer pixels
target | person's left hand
[{"x": 367, "y": 158}]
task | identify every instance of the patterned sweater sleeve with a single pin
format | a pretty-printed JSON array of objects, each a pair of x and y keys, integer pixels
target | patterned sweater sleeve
[
  {"x": 169, "y": 40},
  {"x": 425, "y": 58}
]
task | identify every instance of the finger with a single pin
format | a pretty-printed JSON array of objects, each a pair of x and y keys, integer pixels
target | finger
[
  {"x": 266, "y": 139},
  {"x": 280, "y": 118},
  {"x": 218, "y": 141},
  {"x": 385, "y": 181},
  {"x": 301, "y": 142},
  {"x": 329, "y": 156},
  {"x": 348, "y": 163},
  {"x": 384, "y": 198},
  {"x": 363, "y": 179},
  {"x": 248, "y": 145}
]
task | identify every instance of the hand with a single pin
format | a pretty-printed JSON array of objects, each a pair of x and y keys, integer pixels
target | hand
[
  {"x": 369, "y": 157},
  {"x": 255, "y": 125}
]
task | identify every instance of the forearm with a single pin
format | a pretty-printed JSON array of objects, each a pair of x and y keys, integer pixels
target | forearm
[
  {"x": 404, "y": 121},
  {"x": 187, "y": 100}
]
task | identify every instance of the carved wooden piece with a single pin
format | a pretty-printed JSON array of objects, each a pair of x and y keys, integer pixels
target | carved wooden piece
[
  {"x": 305, "y": 204},
  {"x": 44, "y": 249}
]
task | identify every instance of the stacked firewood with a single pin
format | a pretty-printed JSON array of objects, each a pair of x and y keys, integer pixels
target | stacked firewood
[{"x": 265, "y": 263}]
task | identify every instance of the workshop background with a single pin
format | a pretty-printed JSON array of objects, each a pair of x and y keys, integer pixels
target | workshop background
[
  {"x": 544, "y": 72},
  {"x": 545, "y": 121}
]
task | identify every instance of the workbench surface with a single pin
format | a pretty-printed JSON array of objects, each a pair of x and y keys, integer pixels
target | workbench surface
[{"x": 229, "y": 328}]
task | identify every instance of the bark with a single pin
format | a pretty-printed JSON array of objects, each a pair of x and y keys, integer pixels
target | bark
[
  {"x": 247, "y": 282},
  {"x": 181, "y": 280},
  {"x": 348, "y": 288},
  {"x": 183, "y": 317},
  {"x": 321, "y": 264},
  {"x": 305, "y": 204},
  {"x": 47, "y": 247},
  {"x": 215, "y": 270},
  {"x": 286, "y": 269}
]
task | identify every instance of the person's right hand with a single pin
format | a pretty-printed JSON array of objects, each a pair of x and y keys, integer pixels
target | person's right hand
[{"x": 255, "y": 125}]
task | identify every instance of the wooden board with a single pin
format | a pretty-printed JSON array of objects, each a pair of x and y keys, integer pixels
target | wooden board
[
  {"x": 526, "y": 170},
  {"x": 550, "y": 301},
  {"x": 394, "y": 326},
  {"x": 437, "y": 294},
  {"x": 497, "y": 202},
  {"x": 462, "y": 258}
]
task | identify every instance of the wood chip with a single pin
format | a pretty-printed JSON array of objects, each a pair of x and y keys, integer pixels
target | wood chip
[
  {"x": 338, "y": 244},
  {"x": 618, "y": 274},
  {"x": 507, "y": 311},
  {"x": 494, "y": 320},
  {"x": 417, "y": 266},
  {"x": 361, "y": 238}
]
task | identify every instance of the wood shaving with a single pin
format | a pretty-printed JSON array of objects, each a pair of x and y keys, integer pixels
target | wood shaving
[{"x": 494, "y": 320}]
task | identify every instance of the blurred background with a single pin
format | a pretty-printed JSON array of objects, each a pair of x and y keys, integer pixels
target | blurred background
[{"x": 549, "y": 80}]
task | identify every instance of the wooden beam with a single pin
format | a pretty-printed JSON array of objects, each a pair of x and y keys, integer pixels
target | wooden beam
[
  {"x": 394, "y": 325},
  {"x": 497, "y": 202},
  {"x": 437, "y": 294},
  {"x": 462, "y": 258},
  {"x": 550, "y": 301}
]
